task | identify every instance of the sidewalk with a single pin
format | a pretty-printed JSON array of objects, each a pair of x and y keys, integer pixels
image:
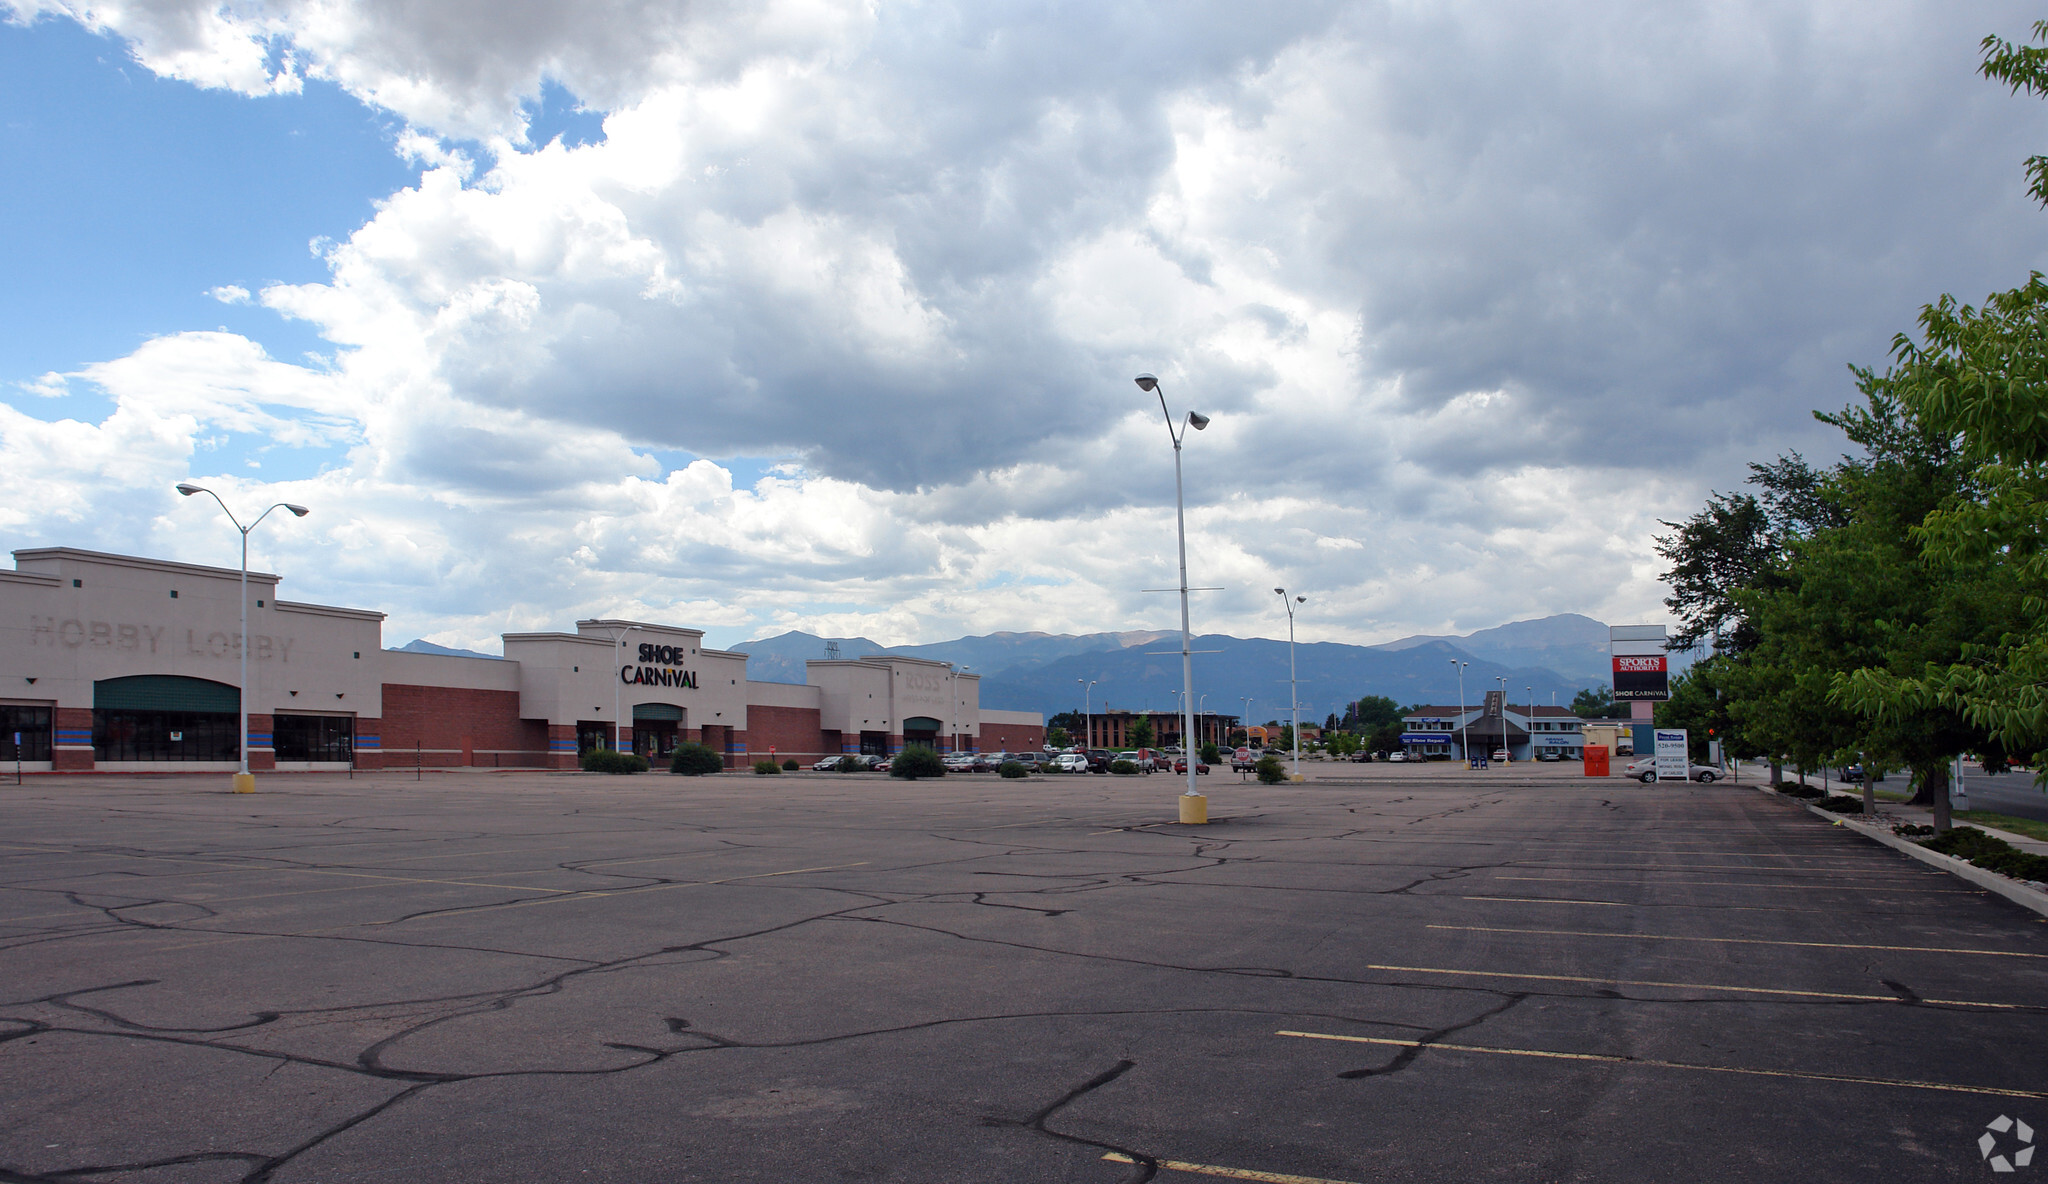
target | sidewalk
[{"x": 1892, "y": 813}]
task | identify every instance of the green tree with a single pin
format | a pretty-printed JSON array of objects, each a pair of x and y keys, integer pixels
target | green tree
[
  {"x": 1140, "y": 733},
  {"x": 1373, "y": 712},
  {"x": 1598, "y": 703},
  {"x": 1057, "y": 737},
  {"x": 1073, "y": 721}
]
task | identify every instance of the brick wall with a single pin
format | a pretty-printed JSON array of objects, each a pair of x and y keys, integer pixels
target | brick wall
[
  {"x": 790, "y": 731},
  {"x": 1011, "y": 737},
  {"x": 450, "y": 726}
]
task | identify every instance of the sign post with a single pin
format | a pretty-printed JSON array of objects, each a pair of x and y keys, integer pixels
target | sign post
[{"x": 1673, "y": 755}]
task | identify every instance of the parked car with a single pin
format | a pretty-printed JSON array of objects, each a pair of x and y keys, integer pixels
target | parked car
[
  {"x": 1181, "y": 766},
  {"x": 1070, "y": 762},
  {"x": 1547, "y": 754},
  {"x": 1645, "y": 771},
  {"x": 1397, "y": 756},
  {"x": 1500, "y": 754},
  {"x": 1140, "y": 758},
  {"x": 828, "y": 765},
  {"x": 960, "y": 762},
  {"x": 1361, "y": 756}
]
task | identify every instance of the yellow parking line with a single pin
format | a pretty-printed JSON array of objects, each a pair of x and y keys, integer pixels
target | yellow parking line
[
  {"x": 1843, "y": 1078},
  {"x": 1544, "y": 900},
  {"x": 1634, "y": 982},
  {"x": 1210, "y": 1169},
  {"x": 1747, "y": 941}
]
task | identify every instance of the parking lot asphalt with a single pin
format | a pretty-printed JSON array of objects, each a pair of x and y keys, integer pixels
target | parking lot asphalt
[{"x": 1383, "y": 974}]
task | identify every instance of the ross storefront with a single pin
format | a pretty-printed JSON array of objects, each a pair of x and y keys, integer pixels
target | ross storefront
[{"x": 118, "y": 663}]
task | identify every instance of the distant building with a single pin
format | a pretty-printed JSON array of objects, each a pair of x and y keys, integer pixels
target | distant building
[
  {"x": 1441, "y": 733},
  {"x": 1112, "y": 729}
]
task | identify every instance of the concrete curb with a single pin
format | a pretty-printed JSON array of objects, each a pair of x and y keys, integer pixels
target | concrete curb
[{"x": 2012, "y": 890}]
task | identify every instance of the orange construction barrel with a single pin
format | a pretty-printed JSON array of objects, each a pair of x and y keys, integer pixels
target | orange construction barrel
[{"x": 1596, "y": 760}]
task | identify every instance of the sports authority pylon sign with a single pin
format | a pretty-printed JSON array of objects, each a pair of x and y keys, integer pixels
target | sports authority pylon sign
[{"x": 1641, "y": 666}]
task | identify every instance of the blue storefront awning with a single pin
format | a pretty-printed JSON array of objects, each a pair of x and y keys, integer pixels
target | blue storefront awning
[{"x": 1425, "y": 738}]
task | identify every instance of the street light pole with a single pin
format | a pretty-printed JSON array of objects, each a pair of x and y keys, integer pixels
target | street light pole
[
  {"x": 1464, "y": 736},
  {"x": 1531, "y": 692},
  {"x": 618, "y": 728},
  {"x": 1510, "y": 757},
  {"x": 245, "y": 781},
  {"x": 1193, "y": 807},
  {"x": 1293, "y": 685},
  {"x": 1088, "y": 711}
]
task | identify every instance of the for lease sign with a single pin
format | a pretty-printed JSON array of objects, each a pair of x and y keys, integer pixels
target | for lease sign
[{"x": 1671, "y": 754}]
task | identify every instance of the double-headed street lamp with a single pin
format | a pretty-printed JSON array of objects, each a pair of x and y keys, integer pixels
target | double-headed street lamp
[
  {"x": 245, "y": 781},
  {"x": 1293, "y": 687},
  {"x": 1193, "y": 806},
  {"x": 1087, "y": 710}
]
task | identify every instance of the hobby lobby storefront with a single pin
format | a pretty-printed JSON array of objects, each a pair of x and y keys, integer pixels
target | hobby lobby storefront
[{"x": 114, "y": 663}]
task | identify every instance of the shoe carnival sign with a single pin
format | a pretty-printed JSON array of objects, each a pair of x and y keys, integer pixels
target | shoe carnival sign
[
  {"x": 661, "y": 668},
  {"x": 1641, "y": 666}
]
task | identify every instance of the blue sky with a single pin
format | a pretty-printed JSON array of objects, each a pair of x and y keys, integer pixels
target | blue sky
[
  {"x": 129, "y": 196},
  {"x": 822, "y": 315}
]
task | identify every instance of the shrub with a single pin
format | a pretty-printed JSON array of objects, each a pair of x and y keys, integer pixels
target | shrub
[
  {"x": 790, "y": 766},
  {"x": 1912, "y": 830},
  {"x": 912, "y": 763},
  {"x": 1842, "y": 803},
  {"x": 1211, "y": 755},
  {"x": 692, "y": 760},
  {"x": 1013, "y": 769},
  {"x": 608, "y": 760},
  {"x": 766, "y": 768},
  {"x": 1124, "y": 768},
  {"x": 852, "y": 764},
  {"x": 1270, "y": 770},
  {"x": 1991, "y": 853},
  {"x": 1792, "y": 789}
]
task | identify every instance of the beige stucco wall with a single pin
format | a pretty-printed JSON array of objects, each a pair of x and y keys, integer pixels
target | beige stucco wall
[
  {"x": 120, "y": 619},
  {"x": 876, "y": 694},
  {"x": 565, "y": 677}
]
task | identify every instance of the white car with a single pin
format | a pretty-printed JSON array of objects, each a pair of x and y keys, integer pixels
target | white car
[
  {"x": 1396, "y": 757},
  {"x": 1070, "y": 762}
]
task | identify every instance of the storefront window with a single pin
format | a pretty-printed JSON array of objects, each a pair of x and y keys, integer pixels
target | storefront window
[
  {"x": 313, "y": 737},
  {"x": 33, "y": 724},
  {"x": 165, "y": 735}
]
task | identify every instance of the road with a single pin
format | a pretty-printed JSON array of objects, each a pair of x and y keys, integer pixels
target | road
[{"x": 1383, "y": 974}]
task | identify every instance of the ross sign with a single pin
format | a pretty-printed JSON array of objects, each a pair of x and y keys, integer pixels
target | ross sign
[
  {"x": 1641, "y": 666},
  {"x": 1673, "y": 762}
]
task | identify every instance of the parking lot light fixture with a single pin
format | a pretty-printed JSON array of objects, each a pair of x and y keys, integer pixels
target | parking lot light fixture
[
  {"x": 1194, "y": 808},
  {"x": 1293, "y": 685},
  {"x": 1087, "y": 710},
  {"x": 1464, "y": 736},
  {"x": 245, "y": 781}
]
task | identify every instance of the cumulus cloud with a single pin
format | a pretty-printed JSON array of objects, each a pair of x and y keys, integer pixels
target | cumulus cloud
[{"x": 1476, "y": 293}]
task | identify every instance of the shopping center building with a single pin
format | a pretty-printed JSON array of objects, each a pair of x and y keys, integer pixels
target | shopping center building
[{"x": 114, "y": 663}]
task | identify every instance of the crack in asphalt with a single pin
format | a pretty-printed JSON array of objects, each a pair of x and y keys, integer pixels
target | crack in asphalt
[{"x": 92, "y": 1015}]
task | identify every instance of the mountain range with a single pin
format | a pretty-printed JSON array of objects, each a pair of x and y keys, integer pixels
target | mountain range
[{"x": 1549, "y": 658}]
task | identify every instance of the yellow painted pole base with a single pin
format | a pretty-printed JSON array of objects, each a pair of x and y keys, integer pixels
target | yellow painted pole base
[
  {"x": 1194, "y": 809},
  {"x": 245, "y": 783},
  {"x": 1299, "y": 777}
]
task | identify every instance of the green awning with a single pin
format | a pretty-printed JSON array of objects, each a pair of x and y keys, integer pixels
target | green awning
[
  {"x": 921, "y": 723},
  {"x": 164, "y": 692},
  {"x": 657, "y": 711}
]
